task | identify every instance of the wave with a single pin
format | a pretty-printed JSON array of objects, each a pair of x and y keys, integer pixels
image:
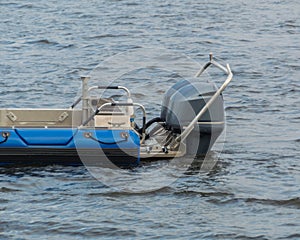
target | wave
[{"x": 293, "y": 202}]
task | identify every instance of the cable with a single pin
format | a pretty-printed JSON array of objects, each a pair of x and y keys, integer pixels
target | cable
[
  {"x": 5, "y": 135},
  {"x": 125, "y": 136}
]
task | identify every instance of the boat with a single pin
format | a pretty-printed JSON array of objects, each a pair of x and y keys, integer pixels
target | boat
[{"x": 103, "y": 131}]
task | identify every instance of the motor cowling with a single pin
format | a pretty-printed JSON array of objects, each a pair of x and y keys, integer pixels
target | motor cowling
[{"x": 181, "y": 104}]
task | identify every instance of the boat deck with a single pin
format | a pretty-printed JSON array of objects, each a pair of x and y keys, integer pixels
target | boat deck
[{"x": 12, "y": 117}]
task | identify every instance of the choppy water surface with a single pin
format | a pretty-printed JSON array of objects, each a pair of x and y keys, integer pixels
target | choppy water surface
[{"x": 254, "y": 191}]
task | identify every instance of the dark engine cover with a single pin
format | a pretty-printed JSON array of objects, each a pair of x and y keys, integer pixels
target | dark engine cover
[{"x": 183, "y": 101}]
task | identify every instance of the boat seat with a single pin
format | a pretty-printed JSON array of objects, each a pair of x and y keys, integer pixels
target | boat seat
[
  {"x": 112, "y": 120},
  {"x": 110, "y": 116}
]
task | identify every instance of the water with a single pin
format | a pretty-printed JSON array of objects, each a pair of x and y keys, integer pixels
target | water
[{"x": 253, "y": 193}]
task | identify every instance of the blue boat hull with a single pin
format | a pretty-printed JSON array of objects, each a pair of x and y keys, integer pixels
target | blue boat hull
[{"x": 93, "y": 147}]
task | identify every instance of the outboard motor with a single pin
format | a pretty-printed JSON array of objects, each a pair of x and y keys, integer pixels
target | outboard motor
[
  {"x": 182, "y": 102},
  {"x": 168, "y": 94}
]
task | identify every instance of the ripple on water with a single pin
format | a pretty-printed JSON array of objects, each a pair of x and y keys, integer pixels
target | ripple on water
[{"x": 252, "y": 193}]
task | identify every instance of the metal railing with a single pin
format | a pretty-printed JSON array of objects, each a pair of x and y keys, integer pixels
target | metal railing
[{"x": 101, "y": 87}]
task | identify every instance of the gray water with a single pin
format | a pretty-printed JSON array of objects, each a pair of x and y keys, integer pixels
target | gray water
[{"x": 254, "y": 190}]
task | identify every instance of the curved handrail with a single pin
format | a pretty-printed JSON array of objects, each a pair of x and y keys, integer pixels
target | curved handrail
[
  {"x": 102, "y": 87},
  {"x": 113, "y": 104}
]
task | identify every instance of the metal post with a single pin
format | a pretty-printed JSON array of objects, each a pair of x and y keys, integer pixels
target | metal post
[{"x": 85, "y": 109}]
